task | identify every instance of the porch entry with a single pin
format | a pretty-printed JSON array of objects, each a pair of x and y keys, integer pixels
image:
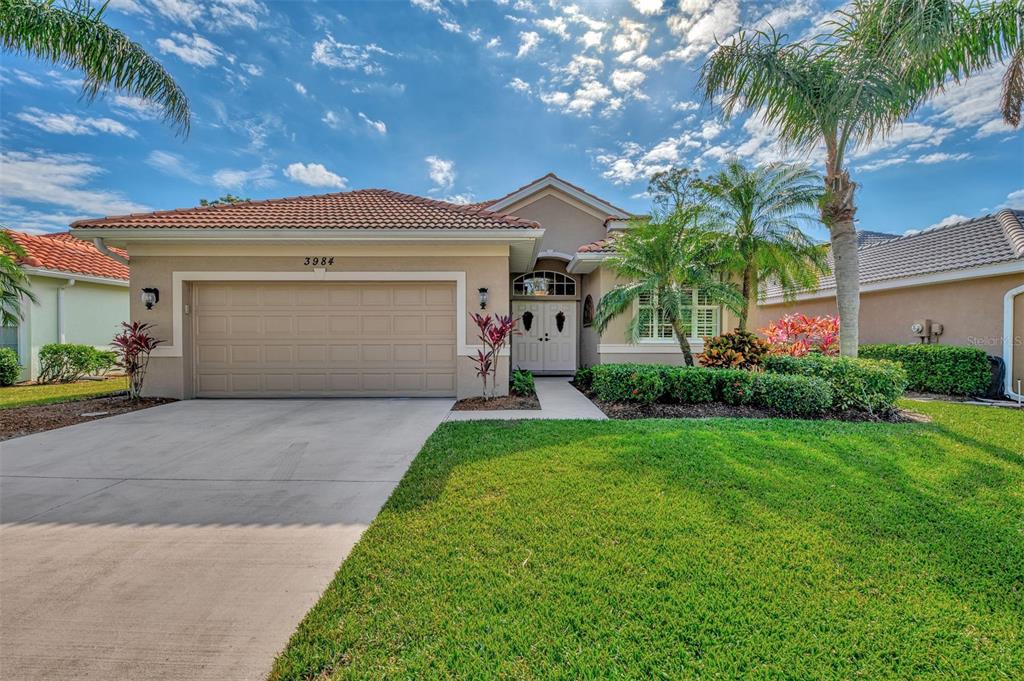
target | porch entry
[{"x": 548, "y": 340}]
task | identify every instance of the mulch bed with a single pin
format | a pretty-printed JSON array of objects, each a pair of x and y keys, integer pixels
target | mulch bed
[
  {"x": 507, "y": 402},
  {"x": 632, "y": 410},
  {"x": 36, "y": 418}
]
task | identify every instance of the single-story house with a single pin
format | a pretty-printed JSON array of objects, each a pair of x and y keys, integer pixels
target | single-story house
[
  {"x": 369, "y": 292},
  {"x": 960, "y": 284},
  {"x": 81, "y": 296}
]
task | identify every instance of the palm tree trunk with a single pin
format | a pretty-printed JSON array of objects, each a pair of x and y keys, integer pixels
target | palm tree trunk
[
  {"x": 684, "y": 343},
  {"x": 749, "y": 293},
  {"x": 837, "y": 213}
]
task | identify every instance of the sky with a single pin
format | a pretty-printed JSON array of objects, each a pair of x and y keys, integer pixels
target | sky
[{"x": 455, "y": 100}]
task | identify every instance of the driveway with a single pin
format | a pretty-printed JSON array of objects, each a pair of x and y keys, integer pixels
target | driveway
[{"x": 187, "y": 541}]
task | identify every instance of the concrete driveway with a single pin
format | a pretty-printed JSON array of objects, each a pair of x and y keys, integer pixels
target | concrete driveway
[{"x": 187, "y": 541}]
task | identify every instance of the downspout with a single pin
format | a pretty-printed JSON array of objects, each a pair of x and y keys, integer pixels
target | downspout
[
  {"x": 60, "y": 310},
  {"x": 102, "y": 248}
]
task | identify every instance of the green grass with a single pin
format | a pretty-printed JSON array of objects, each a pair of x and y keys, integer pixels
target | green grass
[
  {"x": 685, "y": 549},
  {"x": 27, "y": 395}
]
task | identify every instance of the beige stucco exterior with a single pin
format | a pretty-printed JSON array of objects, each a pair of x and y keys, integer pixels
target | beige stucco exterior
[
  {"x": 1017, "y": 342},
  {"x": 568, "y": 223}
]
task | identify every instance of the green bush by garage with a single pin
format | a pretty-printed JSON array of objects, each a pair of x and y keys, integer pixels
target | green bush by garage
[{"x": 931, "y": 368}]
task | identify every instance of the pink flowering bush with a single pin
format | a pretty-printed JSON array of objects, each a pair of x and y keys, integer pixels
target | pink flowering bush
[
  {"x": 798, "y": 335},
  {"x": 494, "y": 333},
  {"x": 133, "y": 346}
]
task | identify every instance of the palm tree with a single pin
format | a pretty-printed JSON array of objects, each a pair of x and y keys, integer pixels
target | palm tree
[
  {"x": 660, "y": 261},
  {"x": 74, "y": 35},
  {"x": 840, "y": 91},
  {"x": 762, "y": 210},
  {"x": 14, "y": 285}
]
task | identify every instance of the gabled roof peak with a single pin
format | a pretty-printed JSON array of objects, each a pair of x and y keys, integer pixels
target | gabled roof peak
[{"x": 552, "y": 180}]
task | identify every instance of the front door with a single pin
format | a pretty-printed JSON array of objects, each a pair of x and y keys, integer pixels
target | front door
[{"x": 548, "y": 340}]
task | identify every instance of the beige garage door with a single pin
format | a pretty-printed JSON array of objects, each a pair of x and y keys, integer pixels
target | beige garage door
[{"x": 256, "y": 339}]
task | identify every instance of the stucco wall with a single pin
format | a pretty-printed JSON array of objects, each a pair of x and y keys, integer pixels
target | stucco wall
[
  {"x": 567, "y": 223},
  {"x": 171, "y": 376},
  {"x": 92, "y": 313},
  {"x": 1017, "y": 373},
  {"x": 971, "y": 312}
]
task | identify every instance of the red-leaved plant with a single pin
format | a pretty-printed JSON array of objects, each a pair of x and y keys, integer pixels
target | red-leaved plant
[
  {"x": 495, "y": 333},
  {"x": 133, "y": 346},
  {"x": 798, "y": 335}
]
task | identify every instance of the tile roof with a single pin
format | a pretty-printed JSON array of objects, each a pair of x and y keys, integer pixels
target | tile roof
[
  {"x": 605, "y": 245},
  {"x": 987, "y": 240},
  {"x": 552, "y": 176},
  {"x": 361, "y": 209},
  {"x": 866, "y": 237},
  {"x": 64, "y": 253}
]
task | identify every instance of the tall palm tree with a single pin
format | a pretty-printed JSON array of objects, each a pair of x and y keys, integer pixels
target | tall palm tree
[
  {"x": 840, "y": 91},
  {"x": 660, "y": 261},
  {"x": 763, "y": 209},
  {"x": 73, "y": 34},
  {"x": 14, "y": 286}
]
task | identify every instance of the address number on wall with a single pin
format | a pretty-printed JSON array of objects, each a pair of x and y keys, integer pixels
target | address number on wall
[{"x": 318, "y": 261}]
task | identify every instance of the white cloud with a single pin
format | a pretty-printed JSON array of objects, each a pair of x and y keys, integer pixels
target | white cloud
[
  {"x": 519, "y": 85},
  {"x": 193, "y": 49},
  {"x": 632, "y": 37},
  {"x": 300, "y": 88},
  {"x": 476, "y": 35},
  {"x": 441, "y": 172},
  {"x": 576, "y": 15},
  {"x": 173, "y": 165},
  {"x": 557, "y": 99},
  {"x": 590, "y": 94},
  {"x": 182, "y": 11},
  {"x": 699, "y": 23},
  {"x": 711, "y": 129},
  {"x": 450, "y": 25},
  {"x": 314, "y": 175},
  {"x": 941, "y": 157},
  {"x": 556, "y": 25},
  {"x": 337, "y": 119},
  {"x": 227, "y": 14},
  {"x": 429, "y": 5},
  {"x": 948, "y": 220},
  {"x": 581, "y": 67},
  {"x": 379, "y": 126},
  {"x": 909, "y": 136},
  {"x": 461, "y": 199},
  {"x": 527, "y": 42},
  {"x": 882, "y": 163},
  {"x": 71, "y": 124},
  {"x": 524, "y": 6},
  {"x": 972, "y": 103},
  {"x": 993, "y": 127},
  {"x": 60, "y": 180},
  {"x": 647, "y": 7},
  {"x": 627, "y": 81},
  {"x": 127, "y": 6},
  {"x": 516, "y": 20},
  {"x": 136, "y": 107},
  {"x": 592, "y": 39},
  {"x": 493, "y": 43},
  {"x": 253, "y": 69},
  {"x": 686, "y": 106},
  {"x": 230, "y": 178},
  {"x": 781, "y": 16},
  {"x": 336, "y": 55},
  {"x": 1014, "y": 200}
]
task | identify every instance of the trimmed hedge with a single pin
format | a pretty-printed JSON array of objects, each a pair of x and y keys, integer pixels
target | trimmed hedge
[
  {"x": 68, "y": 362},
  {"x": 861, "y": 384},
  {"x": 792, "y": 395},
  {"x": 945, "y": 369},
  {"x": 10, "y": 368}
]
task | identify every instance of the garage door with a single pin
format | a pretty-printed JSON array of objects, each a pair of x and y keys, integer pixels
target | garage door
[{"x": 325, "y": 339}]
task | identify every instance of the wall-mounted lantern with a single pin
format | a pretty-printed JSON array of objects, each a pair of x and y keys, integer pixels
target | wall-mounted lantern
[
  {"x": 482, "y": 291},
  {"x": 150, "y": 297}
]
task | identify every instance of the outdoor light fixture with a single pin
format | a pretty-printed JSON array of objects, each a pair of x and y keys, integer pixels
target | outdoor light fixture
[
  {"x": 150, "y": 297},
  {"x": 483, "y": 297}
]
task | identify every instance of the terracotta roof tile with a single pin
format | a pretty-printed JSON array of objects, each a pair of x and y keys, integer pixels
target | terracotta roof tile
[
  {"x": 554, "y": 177},
  {"x": 64, "y": 253},
  {"x": 605, "y": 245},
  {"x": 361, "y": 209}
]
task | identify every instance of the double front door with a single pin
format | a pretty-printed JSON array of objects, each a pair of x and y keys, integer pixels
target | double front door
[{"x": 548, "y": 340}]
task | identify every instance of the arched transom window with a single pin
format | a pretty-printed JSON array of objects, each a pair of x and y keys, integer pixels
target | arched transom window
[{"x": 543, "y": 283}]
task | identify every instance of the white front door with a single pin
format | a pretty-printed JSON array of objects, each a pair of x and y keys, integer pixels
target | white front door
[{"x": 548, "y": 340}]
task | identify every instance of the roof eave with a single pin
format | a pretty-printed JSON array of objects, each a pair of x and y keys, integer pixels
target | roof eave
[{"x": 77, "y": 276}]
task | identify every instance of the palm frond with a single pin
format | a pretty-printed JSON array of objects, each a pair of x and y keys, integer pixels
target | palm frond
[
  {"x": 78, "y": 38},
  {"x": 14, "y": 283},
  {"x": 1013, "y": 89}
]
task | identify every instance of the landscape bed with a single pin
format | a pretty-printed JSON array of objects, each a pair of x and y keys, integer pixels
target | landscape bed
[
  {"x": 717, "y": 548},
  {"x": 518, "y": 402},
  {"x": 19, "y": 421}
]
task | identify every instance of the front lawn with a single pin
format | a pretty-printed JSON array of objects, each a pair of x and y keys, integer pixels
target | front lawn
[
  {"x": 25, "y": 395},
  {"x": 713, "y": 548}
]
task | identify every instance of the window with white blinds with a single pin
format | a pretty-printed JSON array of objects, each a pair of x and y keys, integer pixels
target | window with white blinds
[{"x": 701, "y": 317}]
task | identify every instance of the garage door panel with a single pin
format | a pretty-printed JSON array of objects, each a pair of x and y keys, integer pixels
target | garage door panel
[{"x": 322, "y": 339}]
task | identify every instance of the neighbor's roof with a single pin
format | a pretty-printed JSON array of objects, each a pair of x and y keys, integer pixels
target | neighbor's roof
[
  {"x": 64, "y": 253},
  {"x": 361, "y": 209},
  {"x": 866, "y": 237},
  {"x": 989, "y": 240}
]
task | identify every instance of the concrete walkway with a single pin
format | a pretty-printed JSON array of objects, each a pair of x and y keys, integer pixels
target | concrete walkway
[
  {"x": 558, "y": 400},
  {"x": 187, "y": 541}
]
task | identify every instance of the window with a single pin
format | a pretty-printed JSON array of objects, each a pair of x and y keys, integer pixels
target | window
[
  {"x": 700, "y": 317},
  {"x": 9, "y": 337},
  {"x": 543, "y": 283}
]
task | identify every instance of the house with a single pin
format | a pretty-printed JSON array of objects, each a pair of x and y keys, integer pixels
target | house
[
  {"x": 963, "y": 283},
  {"x": 369, "y": 292},
  {"x": 81, "y": 296}
]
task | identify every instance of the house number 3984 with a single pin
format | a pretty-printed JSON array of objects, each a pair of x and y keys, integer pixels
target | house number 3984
[{"x": 318, "y": 261}]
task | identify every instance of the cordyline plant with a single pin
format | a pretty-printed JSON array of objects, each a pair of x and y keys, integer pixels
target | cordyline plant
[
  {"x": 799, "y": 335},
  {"x": 495, "y": 333},
  {"x": 133, "y": 346}
]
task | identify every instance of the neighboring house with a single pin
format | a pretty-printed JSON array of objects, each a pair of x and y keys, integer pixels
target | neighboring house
[
  {"x": 369, "y": 292},
  {"x": 967, "y": 277},
  {"x": 81, "y": 296}
]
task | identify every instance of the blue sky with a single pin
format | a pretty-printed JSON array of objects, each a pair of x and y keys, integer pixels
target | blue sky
[{"x": 455, "y": 100}]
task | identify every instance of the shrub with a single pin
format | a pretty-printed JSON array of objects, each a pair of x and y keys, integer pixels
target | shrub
[
  {"x": 792, "y": 394},
  {"x": 861, "y": 384},
  {"x": 10, "y": 369},
  {"x": 106, "y": 360},
  {"x": 945, "y": 369},
  {"x": 736, "y": 350},
  {"x": 628, "y": 383},
  {"x": 733, "y": 386},
  {"x": 522, "y": 383},
  {"x": 133, "y": 346},
  {"x": 689, "y": 385},
  {"x": 494, "y": 334},
  {"x": 584, "y": 378},
  {"x": 799, "y": 335},
  {"x": 66, "y": 362}
]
